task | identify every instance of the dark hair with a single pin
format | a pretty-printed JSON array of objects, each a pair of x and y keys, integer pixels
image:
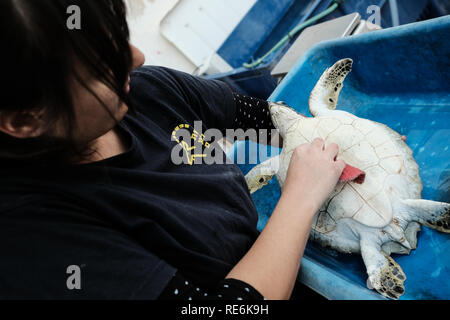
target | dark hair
[{"x": 39, "y": 51}]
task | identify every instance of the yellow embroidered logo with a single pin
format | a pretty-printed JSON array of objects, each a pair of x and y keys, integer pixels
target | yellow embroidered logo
[{"x": 193, "y": 148}]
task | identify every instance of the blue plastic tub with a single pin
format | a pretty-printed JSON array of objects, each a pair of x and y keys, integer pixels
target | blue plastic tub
[
  {"x": 269, "y": 21},
  {"x": 401, "y": 77}
]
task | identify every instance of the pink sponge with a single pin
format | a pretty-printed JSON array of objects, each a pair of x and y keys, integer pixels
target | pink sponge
[{"x": 352, "y": 174}]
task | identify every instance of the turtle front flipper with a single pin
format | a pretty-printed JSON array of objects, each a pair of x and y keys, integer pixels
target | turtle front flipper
[
  {"x": 385, "y": 275},
  {"x": 260, "y": 175},
  {"x": 325, "y": 94}
]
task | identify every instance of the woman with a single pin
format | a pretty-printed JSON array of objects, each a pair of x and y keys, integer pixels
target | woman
[{"x": 93, "y": 207}]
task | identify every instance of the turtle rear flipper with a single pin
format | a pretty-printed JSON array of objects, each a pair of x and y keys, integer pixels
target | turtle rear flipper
[
  {"x": 325, "y": 94},
  {"x": 385, "y": 275},
  {"x": 433, "y": 214}
]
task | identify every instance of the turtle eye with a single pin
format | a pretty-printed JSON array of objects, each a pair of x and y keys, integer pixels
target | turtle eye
[{"x": 261, "y": 180}]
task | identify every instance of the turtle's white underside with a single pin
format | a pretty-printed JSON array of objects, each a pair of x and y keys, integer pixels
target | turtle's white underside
[{"x": 391, "y": 172}]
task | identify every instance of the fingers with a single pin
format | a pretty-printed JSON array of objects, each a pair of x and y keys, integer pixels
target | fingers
[
  {"x": 332, "y": 150},
  {"x": 318, "y": 143},
  {"x": 340, "y": 165}
]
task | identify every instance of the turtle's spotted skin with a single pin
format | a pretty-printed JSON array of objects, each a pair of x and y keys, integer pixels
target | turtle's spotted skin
[
  {"x": 376, "y": 218},
  {"x": 442, "y": 223}
]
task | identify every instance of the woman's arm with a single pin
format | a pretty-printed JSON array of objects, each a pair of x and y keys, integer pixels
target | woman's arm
[
  {"x": 181, "y": 288},
  {"x": 272, "y": 264},
  {"x": 253, "y": 113}
]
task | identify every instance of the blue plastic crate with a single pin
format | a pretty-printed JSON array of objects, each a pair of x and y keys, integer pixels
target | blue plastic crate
[
  {"x": 269, "y": 21},
  {"x": 401, "y": 77}
]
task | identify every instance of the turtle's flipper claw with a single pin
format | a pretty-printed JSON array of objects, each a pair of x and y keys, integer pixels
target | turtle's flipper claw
[{"x": 391, "y": 280}]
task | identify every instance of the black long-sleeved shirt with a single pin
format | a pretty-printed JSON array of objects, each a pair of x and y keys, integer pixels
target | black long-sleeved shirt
[
  {"x": 121, "y": 228},
  {"x": 251, "y": 113}
]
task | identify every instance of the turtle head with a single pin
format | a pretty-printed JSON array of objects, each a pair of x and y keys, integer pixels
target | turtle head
[{"x": 283, "y": 117}]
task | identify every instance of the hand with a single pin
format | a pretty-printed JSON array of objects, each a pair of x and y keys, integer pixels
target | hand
[
  {"x": 276, "y": 254},
  {"x": 313, "y": 173}
]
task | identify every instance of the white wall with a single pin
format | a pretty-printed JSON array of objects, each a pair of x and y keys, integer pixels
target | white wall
[
  {"x": 199, "y": 28},
  {"x": 185, "y": 34},
  {"x": 144, "y": 17}
]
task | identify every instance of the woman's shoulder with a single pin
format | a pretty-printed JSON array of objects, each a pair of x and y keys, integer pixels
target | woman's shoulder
[{"x": 157, "y": 77}]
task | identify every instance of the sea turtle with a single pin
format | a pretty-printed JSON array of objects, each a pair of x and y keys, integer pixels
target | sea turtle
[{"x": 376, "y": 218}]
